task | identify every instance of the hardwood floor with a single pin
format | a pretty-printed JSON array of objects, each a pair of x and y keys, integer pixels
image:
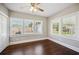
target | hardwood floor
[{"x": 43, "y": 47}]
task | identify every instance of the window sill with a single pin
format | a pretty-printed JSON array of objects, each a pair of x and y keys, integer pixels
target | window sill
[
  {"x": 26, "y": 34},
  {"x": 65, "y": 37}
]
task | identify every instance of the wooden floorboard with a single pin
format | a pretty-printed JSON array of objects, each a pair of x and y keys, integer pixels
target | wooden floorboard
[{"x": 42, "y": 47}]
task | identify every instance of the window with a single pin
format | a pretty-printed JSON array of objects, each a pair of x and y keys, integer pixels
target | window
[
  {"x": 55, "y": 25},
  {"x": 20, "y": 26},
  {"x": 28, "y": 26},
  {"x": 68, "y": 25},
  {"x": 16, "y": 26},
  {"x": 38, "y": 26},
  {"x": 64, "y": 26}
]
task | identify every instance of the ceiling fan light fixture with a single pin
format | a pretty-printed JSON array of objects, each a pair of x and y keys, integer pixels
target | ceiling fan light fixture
[{"x": 33, "y": 9}]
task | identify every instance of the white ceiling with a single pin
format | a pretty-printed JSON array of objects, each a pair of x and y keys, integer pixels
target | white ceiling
[{"x": 49, "y": 8}]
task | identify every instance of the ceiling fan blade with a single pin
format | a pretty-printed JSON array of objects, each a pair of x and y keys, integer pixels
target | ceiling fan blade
[
  {"x": 37, "y": 3},
  {"x": 40, "y": 9}
]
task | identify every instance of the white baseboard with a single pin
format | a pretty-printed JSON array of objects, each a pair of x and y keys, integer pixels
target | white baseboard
[
  {"x": 66, "y": 45},
  {"x": 25, "y": 41}
]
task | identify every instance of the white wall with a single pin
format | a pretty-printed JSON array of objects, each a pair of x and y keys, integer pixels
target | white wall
[
  {"x": 4, "y": 41},
  {"x": 29, "y": 36},
  {"x": 73, "y": 41}
]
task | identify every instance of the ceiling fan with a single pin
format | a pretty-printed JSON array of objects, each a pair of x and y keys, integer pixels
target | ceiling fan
[{"x": 35, "y": 7}]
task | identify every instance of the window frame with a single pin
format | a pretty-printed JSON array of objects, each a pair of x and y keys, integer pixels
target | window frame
[
  {"x": 11, "y": 27},
  {"x": 76, "y": 14},
  {"x": 73, "y": 17},
  {"x": 29, "y": 33},
  {"x": 56, "y": 20},
  {"x": 41, "y": 25}
]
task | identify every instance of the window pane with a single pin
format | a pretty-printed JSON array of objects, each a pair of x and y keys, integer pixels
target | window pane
[
  {"x": 68, "y": 25},
  {"x": 28, "y": 26},
  {"x": 55, "y": 26},
  {"x": 38, "y": 26},
  {"x": 16, "y": 26}
]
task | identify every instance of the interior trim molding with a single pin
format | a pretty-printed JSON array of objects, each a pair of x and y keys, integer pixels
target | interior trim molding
[
  {"x": 64, "y": 44},
  {"x": 25, "y": 41}
]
